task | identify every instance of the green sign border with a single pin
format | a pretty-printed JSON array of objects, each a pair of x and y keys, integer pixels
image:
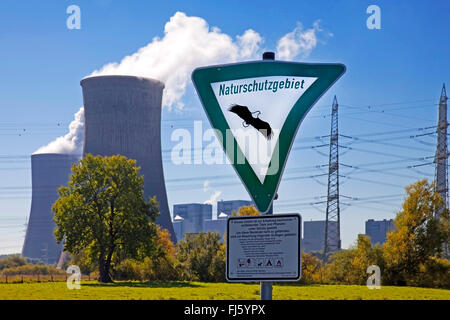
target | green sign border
[{"x": 326, "y": 74}]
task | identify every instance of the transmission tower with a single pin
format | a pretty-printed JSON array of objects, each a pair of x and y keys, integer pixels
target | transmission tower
[
  {"x": 332, "y": 224},
  {"x": 441, "y": 150}
]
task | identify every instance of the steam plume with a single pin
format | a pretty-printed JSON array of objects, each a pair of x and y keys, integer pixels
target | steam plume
[{"x": 188, "y": 42}]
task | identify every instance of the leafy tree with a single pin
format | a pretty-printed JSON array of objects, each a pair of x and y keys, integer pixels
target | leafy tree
[
  {"x": 365, "y": 255},
  {"x": 82, "y": 259},
  {"x": 312, "y": 269},
  {"x": 162, "y": 264},
  {"x": 159, "y": 266},
  {"x": 350, "y": 266},
  {"x": 418, "y": 234},
  {"x": 102, "y": 210},
  {"x": 202, "y": 257},
  {"x": 339, "y": 270},
  {"x": 217, "y": 269},
  {"x": 246, "y": 211}
]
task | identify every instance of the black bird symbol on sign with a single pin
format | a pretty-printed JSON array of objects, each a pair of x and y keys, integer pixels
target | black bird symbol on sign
[{"x": 244, "y": 113}]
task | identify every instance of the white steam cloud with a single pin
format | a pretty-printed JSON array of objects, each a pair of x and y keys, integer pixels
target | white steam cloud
[
  {"x": 71, "y": 143},
  {"x": 206, "y": 185},
  {"x": 188, "y": 42},
  {"x": 213, "y": 199}
]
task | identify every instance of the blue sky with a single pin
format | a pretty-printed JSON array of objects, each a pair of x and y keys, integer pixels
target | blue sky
[{"x": 388, "y": 94}]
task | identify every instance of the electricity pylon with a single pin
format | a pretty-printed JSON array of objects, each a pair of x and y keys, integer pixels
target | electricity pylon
[
  {"x": 332, "y": 224},
  {"x": 441, "y": 151}
]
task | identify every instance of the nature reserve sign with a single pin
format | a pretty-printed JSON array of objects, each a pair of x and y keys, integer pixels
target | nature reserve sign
[{"x": 256, "y": 109}]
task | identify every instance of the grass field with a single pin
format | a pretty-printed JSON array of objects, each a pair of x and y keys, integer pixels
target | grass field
[{"x": 209, "y": 291}]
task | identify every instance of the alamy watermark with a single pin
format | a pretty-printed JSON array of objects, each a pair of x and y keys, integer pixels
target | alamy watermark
[
  {"x": 374, "y": 20},
  {"x": 374, "y": 280},
  {"x": 74, "y": 19},
  {"x": 74, "y": 281},
  {"x": 206, "y": 147}
]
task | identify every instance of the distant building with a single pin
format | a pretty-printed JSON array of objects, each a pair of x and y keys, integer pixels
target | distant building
[
  {"x": 197, "y": 217},
  {"x": 178, "y": 227},
  {"x": 194, "y": 215},
  {"x": 229, "y": 206},
  {"x": 314, "y": 235},
  {"x": 377, "y": 230},
  {"x": 219, "y": 225}
]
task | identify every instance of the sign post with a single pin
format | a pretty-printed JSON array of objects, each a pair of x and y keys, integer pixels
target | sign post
[{"x": 265, "y": 289}]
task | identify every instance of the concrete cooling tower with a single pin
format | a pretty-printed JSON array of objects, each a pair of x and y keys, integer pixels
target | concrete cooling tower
[
  {"x": 49, "y": 172},
  {"x": 123, "y": 116}
]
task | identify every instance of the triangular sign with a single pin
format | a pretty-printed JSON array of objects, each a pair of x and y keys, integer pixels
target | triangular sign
[{"x": 256, "y": 109}]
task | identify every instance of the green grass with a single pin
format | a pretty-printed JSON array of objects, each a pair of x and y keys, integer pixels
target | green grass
[{"x": 209, "y": 291}]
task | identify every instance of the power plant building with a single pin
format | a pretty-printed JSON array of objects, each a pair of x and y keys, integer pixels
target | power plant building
[
  {"x": 229, "y": 206},
  {"x": 178, "y": 227},
  {"x": 123, "y": 116},
  {"x": 49, "y": 172},
  {"x": 314, "y": 235},
  {"x": 193, "y": 215},
  {"x": 377, "y": 230},
  {"x": 217, "y": 225}
]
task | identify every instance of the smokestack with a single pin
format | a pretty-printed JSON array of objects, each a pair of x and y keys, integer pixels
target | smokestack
[
  {"x": 49, "y": 172},
  {"x": 123, "y": 116}
]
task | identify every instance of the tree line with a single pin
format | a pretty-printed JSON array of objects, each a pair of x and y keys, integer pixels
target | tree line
[{"x": 108, "y": 228}]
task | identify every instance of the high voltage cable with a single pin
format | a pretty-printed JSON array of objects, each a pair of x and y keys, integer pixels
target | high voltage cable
[
  {"x": 362, "y": 140},
  {"x": 359, "y": 167}
]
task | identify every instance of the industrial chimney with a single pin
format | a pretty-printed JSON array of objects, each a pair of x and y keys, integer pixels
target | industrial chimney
[
  {"x": 49, "y": 172},
  {"x": 123, "y": 116}
]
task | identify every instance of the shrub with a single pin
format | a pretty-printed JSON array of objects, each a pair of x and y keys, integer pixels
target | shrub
[
  {"x": 12, "y": 261},
  {"x": 128, "y": 269},
  {"x": 312, "y": 269},
  {"x": 201, "y": 257},
  {"x": 29, "y": 269}
]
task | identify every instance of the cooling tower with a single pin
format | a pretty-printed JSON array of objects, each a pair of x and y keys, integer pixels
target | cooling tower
[
  {"x": 123, "y": 116},
  {"x": 49, "y": 172}
]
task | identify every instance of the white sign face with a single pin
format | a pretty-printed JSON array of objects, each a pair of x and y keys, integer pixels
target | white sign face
[
  {"x": 269, "y": 99},
  {"x": 264, "y": 248}
]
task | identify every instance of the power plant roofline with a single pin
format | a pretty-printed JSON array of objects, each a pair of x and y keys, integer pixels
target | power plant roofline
[{"x": 119, "y": 78}]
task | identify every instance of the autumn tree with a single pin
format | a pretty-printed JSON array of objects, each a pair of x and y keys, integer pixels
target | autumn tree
[
  {"x": 102, "y": 211},
  {"x": 350, "y": 266},
  {"x": 246, "y": 211},
  {"x": 161, "y": 265},
  {"x": 418, "y": 236},
  {"x": 312, "y": 269}
]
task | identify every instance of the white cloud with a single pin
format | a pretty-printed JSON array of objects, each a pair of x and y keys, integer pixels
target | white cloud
[
  {"x": 72, "y": 142},
  {"x": 188, "y": 42},
  {"x": 298, "y": 42},
  {"x": 249, "y": 43},
  {"x": 214, "y": 197}
]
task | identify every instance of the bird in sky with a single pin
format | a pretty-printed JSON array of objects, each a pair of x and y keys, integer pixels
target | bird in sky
[{"x": 245, "y": 114}]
